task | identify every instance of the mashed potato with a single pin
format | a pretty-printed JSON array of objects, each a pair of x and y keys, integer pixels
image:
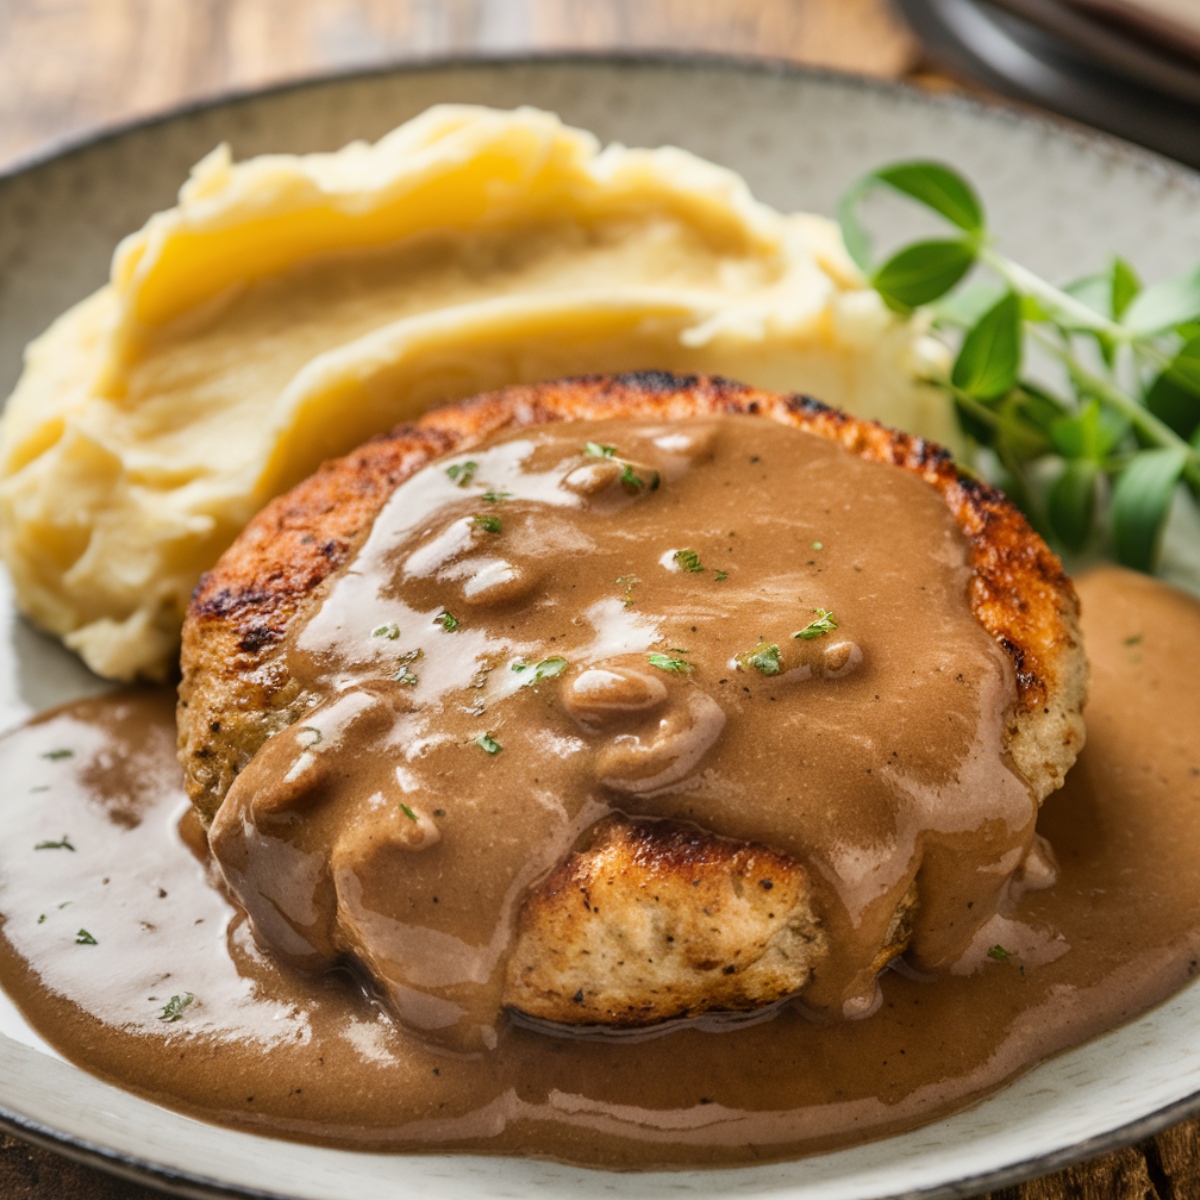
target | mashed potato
[{"x": 290, "y": 307}]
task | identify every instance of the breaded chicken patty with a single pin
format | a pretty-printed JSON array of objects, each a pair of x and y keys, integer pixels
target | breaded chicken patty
[{"x": 689, "y": 922}]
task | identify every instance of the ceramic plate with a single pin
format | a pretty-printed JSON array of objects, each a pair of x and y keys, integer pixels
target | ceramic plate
[{"x": 1063, "y": 199}]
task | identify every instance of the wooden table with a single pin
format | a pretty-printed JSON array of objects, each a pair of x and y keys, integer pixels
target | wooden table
[{"x": 69, "y": 66}]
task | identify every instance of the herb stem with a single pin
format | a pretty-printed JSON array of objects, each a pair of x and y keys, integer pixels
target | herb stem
[
  {"x": 1140, "y": 418},
  {"x": 1024, "y": 281}
]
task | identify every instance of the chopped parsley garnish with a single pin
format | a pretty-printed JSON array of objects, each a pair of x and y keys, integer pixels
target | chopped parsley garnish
[
  {"x": 496, "y": 497},
  {"x": 764, "y": 659},
  {"x": 818, "y": 545},
  {"x": 688, "y": 560},
  {"x": 629, "y": 582},
  {"x": 823, "y": 624},
  {"x": 407, "y": 678},
  {"x": 485, "y": 741},
  {"x": 548, "y": 668},
  {"x": 83, "y": 938},
  {"x": 447, "y": 620},
  {"x": 721, "y": 576},
  {"x": 999, "y": 954},
  {"x": 65, "y": 844},
  {"x": 665, "y": 662},
  {"x": 631, "y": 481},
  {"x": 55, "y": 755},
  {"x": 408, "y": 812},
  {"x": 1134, "y": 640},
  {"x": 391, "y": 631},
  {"x": 173, "y": 1009},
  {"x": 308, "y": 737},
  {"x": 487, "y": 524},
  {"x": 462, "y": 473}
]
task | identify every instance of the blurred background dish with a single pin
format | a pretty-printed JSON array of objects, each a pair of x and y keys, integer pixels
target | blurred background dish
[{"x": 1132, "y": 69}]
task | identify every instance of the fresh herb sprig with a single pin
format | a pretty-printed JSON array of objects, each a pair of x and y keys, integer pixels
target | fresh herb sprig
[{"x": 1096, "y": 458}]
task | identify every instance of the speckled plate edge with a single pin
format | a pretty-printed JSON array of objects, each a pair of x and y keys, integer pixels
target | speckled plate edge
[{"x": 187, "y": 1183}]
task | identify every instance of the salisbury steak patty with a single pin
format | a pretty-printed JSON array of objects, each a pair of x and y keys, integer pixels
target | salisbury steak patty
[{"x": 621, "y": 962}]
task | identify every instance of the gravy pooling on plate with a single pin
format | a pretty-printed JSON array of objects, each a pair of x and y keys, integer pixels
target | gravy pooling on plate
[{"x": 168, "y": 995}]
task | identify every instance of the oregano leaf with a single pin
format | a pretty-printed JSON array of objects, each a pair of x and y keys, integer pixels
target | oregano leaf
[
  {"x": 1141, "y": 500},
  {"x": 989, "y": 362},
  {"x": 923, "y": 272}
]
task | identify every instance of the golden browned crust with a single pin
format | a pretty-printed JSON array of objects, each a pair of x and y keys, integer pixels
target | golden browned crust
[
  {"x": 235, "y": 691},
  {"x": 658, "y": 921}
]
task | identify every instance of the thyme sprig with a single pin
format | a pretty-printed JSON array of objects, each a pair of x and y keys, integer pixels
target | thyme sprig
[{"x": 1095, "y": 458}]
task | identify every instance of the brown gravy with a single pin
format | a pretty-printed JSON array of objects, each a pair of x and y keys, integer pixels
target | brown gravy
[
  {"x": 120, "y": 951},
  {"x": 722, "y": 621}
]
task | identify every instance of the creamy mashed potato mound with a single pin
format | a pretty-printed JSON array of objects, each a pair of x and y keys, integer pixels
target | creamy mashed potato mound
[{"x": 290, "y": 307}]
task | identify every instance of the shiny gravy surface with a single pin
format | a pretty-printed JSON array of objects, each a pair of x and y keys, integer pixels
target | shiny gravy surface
[{"x": 121, "y": 950}]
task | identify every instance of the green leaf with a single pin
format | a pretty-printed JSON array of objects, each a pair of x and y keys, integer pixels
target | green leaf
[
  {"x": 1165, "y": 305},
  {"x": 1125, "y": 287},
  {"x": 937, "y": 187},
  {"x": 1071, "y": 503},
  {"x": 964, "y": 308},
  {"x": 922, "y": 272},
  {"x": 487, "y": 743},
  {"x": 1174, "y": 397},
  {"x": 1092, "y": 434},
  {"x": 1140, "y": 503},
  {"x": 825, "y": 623},
  {"x": 1096, "y": 291},
  {"x": 764, "y": 659},
  {"x": 174, "y": 1008},
  {"x": 989, "y": 362},
  {"x": 548, "y": 668},
  {"x": 665, "y": 662}
]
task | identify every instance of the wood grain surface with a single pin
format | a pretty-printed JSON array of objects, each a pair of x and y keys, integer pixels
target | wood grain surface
[{"x": 71, "y": 66}]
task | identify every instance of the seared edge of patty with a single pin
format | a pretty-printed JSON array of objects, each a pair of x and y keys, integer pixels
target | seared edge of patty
[{"x": 235, "y": 692}]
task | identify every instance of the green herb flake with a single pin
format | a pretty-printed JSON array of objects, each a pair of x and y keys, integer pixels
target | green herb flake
[
  {"x": 548, "y": 668},
  {"x": 1134, "y": 639},
  {"x": 486, "y": 523},
  {"x": 493, "y": 497},
  {"x": 391, "y": 631},
  {"x": 308, "y": 737},
  {"x": 83, "y": 938},
  {"x": 688, "y": 560},
  {"x": 408, "y": 812},
  {"x": 596, "y": 450},
  {"x": 721, "y": 576},
  {"x": 818, "y": 545},
  {"x": 64, "y": 844},
  {"x": 665, "y": 662},
  {"x": 447, "y": 620},
  {"x": 56, "y": 755},
  {"x": 631, "y": 481},
  {"x": 173, "y": 1009},
  {"x": 764, "y": 659},
  {"x": 814, "y": 629},
  {"x": 628, "y": 582},
  {"x": 407, "y": 678},
  {"x": 462, "y": 473},
  {"x": 999, "y": 954},
  {"x": 486, "y": 742}
]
